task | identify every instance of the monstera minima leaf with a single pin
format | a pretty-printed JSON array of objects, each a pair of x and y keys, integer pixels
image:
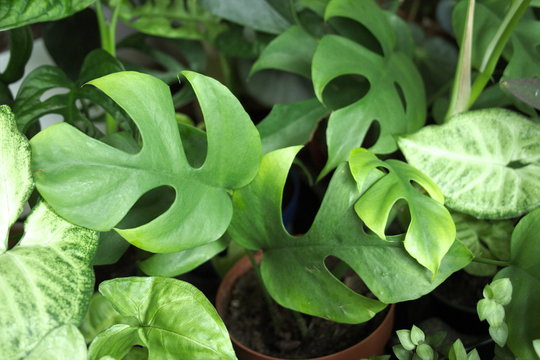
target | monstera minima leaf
[
  {"x": 384, "y": 265},
  {"x": 109, "y": 181},
  {"x": 431, "y": 231},
  {"x": 395, "y": 99},
  {"x": 46, "y": 279},
  {"x": 16, "y": 13},
  {"x": 173, "y": 321},
  {"x": 486, "y": 162}
]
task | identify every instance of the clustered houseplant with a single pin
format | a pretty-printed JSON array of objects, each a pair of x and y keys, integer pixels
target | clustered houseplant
[{"x": 413, "y": 124}]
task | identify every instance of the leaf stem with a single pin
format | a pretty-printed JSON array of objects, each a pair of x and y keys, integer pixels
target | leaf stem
[
  {"x": 496, "y": 47},
  {"x": 488, "y": 261},
  {"x": 461, "y": 92}
]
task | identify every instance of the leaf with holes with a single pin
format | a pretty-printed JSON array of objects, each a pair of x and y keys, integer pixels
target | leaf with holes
[
  {"x": 523, "y": 275},
  {"x": 486, "y": 162},
  {"x": 171, "y": 19},
  {"x": 431, "y": 231},
  {"x": 47, "y": 278},
  {"x": 109, "y": 181},
  {"x": 160, "y": 306},
  {"x": 16, "y": 13},
  {"x": 384, "y": 266},
  {"x": 390, "y": 78}
]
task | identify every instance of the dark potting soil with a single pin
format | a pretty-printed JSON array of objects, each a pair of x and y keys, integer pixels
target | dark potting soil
[
  {"x": 462, "y": 290},
  {"x": 250, "y": 323}
]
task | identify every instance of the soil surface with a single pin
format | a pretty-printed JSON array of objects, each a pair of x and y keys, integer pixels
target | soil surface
[
  {"x": 250, "y": 323},
  {"x": 462, "y": 290}
]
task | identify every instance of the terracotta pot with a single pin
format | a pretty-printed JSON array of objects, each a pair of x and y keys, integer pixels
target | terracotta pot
[{"x": 370, "y": 346}]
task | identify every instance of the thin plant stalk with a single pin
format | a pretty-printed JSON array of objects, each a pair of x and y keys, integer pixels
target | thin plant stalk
[
  {"x": 496, "y": 47},
  {"x": 461, "y": 92}
]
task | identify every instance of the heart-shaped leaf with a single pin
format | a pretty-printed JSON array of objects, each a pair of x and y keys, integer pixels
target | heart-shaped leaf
[
  {"x": 384, "y": 266},
  {"x": 431, "y": 231},
  {"x": 46, "y": 279},
  {"x": 486, "y": 162},
  {"x": 175, "y": 321},
  {"x": 16, "y": 13},
  {"x": 16, "y": 182},
  {"x": 523, "y": 275},
  {"x": 389, "y": 78},
  {"x": 109, "y": 181}
]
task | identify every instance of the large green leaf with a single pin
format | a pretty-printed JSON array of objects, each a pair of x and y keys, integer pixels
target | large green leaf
[
  {"x": 16, "y": 13},
  {"x": 46, "y": 282},
  {"x": 523, "y": 311},
  {"x": 385, "y": 267},
  {"x": 172, "y": 19},
  {"x": 175, "y": 320},
  {"x": 63, "y": 343},
  {"x": 486, "y": 162},
  {"x": 290, "y": 124},
  {"x": 431, "y": 231},
  {"x": 101, "y": 315},
  {"x": 109, "y": 181},
  {"x": 257, "y": 14},
  {"x": 337, "y": 56},
  {"x": 291, "y": 51},
  {"x": 16, "y": 182}
]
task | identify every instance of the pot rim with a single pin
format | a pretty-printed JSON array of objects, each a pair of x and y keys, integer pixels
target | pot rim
[{"x": 244, "y": 265}]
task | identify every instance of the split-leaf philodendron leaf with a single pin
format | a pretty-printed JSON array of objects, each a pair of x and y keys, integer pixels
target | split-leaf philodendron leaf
[
  {"x": 431, "y": 231},
  {"x": 523, "y": 274},
  {"x": 385, "y": 266},
  {"x": 174, "y": 319},
  {"x": 486, "y": 162},
  {"x": 16, "y": 13},
  {"x": 395, "y": 99},
  {"x": 108, "y": 181},
  {"x": 46, "y": 279}
]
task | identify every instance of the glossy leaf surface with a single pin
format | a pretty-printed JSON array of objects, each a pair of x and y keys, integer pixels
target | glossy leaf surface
[
  {"x": 175, "y": 320},
  {"x": 257, "y": 14},
  {"x": 16, "y": 13},
  {"x": 110, "y": 181},
  {"x": 523, "y": 274},
  {"x": 486, "y": 162},
  {"x": 291, "y": 51},
  {"x": 431, "y": 231},
  {"x": 385, "y": 267},
  {"x": 290, "y": 124},
  {"x": 347, "y": 127}
]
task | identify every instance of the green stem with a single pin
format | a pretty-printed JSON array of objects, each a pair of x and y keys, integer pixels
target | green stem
[
  {"x": 496, "y": 47},
  {"x": 487, "y": 261},
  {"x": 107, "y": 33},
  {"x": 462, "y": 82},
  {"x": 301, "y": 322}
]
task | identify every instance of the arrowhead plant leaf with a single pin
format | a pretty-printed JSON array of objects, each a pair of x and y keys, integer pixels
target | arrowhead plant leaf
[
  {"x": 486, "y": 162},
  {"x": 108, "y": 181},
  {"x": 384, "y": 266},
  {"x": 16, "y": 182},
  {"x": 174, "y": 319},
  {"x": 46, "y": 279},
  {"x": 431, "y": 231}
]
